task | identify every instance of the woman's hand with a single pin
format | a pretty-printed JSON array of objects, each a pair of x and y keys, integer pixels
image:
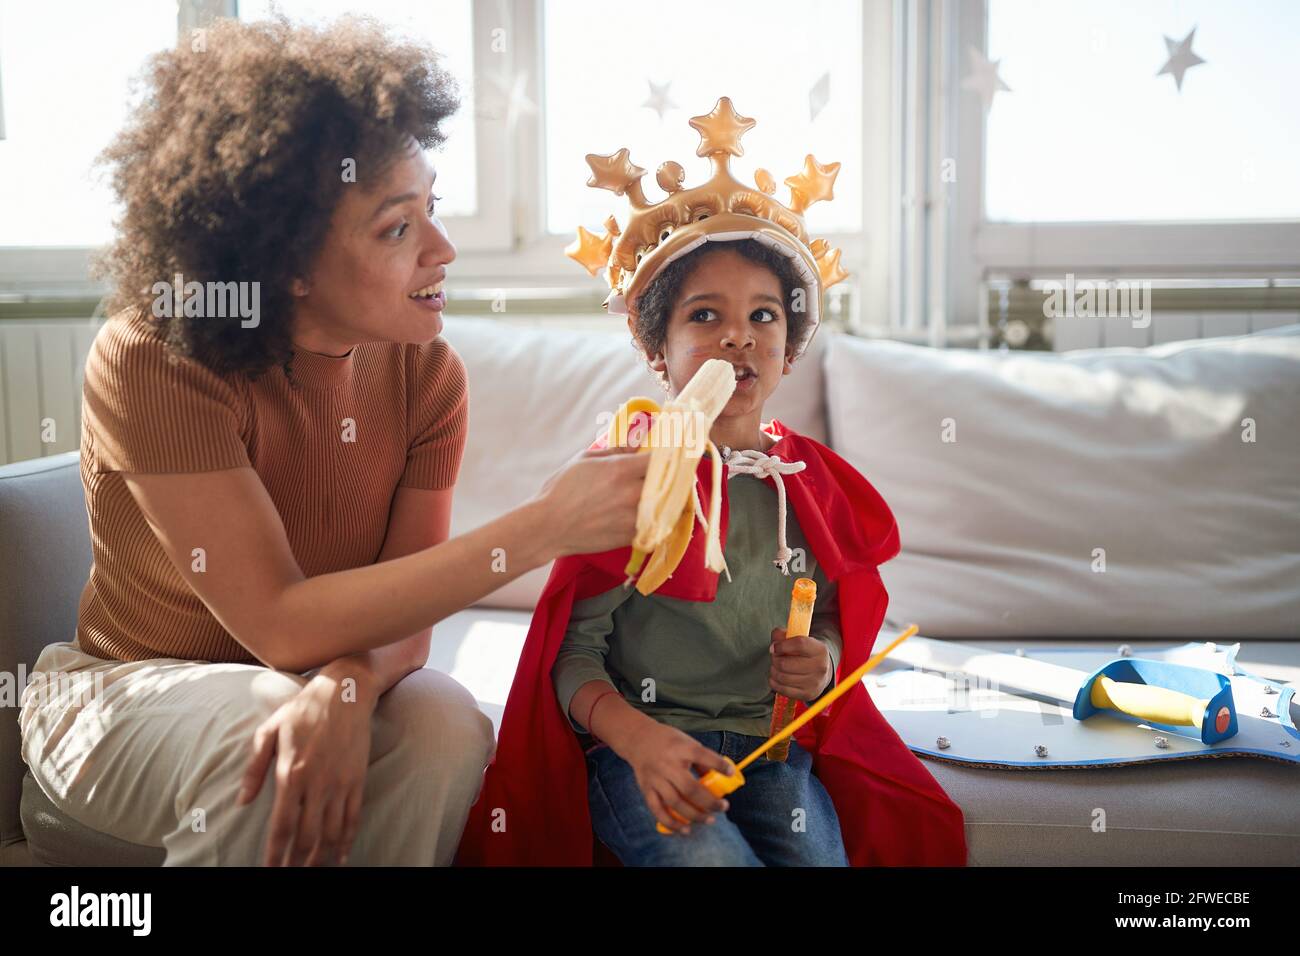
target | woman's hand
[
  {"x": 662, "y": 758},
  {"x": 801, "y": 666},
  {"x": 591, "y": 502},
  {"x": 321, "y": 746}
]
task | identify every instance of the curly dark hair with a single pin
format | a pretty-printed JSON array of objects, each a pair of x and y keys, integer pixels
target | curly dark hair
[
  {"x": 231, "y": 166},
  {"x": 654, "y": 306}
]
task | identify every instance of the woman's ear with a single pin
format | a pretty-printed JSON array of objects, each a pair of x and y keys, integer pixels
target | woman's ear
[{"x": 298, "y": 287}]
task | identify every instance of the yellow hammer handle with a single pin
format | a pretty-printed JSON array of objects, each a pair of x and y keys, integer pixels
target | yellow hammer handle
[{"x": 1160, "y": 704}]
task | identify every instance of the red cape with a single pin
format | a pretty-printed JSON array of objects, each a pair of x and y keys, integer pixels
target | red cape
[{"x": 533, "y": 806}]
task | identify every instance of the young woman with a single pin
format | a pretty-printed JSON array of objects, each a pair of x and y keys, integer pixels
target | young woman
[{"x": 272, "y": 430}]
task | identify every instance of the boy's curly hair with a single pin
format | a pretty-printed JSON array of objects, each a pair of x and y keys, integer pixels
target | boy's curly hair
[
  {"x": 654, "y": 306},
  {"x": 232, "y": 165}
]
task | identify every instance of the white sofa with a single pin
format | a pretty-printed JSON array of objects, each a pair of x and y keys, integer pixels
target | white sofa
[{"x": 1138, "y": 452}]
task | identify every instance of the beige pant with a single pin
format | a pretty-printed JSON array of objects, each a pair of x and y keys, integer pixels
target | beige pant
[{"x": 154, "y": 755}]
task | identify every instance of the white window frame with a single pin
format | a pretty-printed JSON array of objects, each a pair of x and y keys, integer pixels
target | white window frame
[
  {"x": 505, "y": 244},
  {"x": 921, "y": 285},
  {"x": 490, "y": 228},
  {"x": 942, "y": 249},
  {"x": 1154, "y": 249},
  {"x": 536, "y": 258},
  {"x": 64, "y": 272},
  {"x": 918, "y": 266}
]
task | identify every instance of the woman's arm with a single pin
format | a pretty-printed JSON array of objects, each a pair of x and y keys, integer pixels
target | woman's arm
[
  {"x": 255, "y": 589},
  {"x": 419, "y": 518}
]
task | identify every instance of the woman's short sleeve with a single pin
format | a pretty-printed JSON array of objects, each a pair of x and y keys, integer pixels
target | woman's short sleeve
[
  {"x": 439, "y": 417},
  {"x": 149, "y": 411}
]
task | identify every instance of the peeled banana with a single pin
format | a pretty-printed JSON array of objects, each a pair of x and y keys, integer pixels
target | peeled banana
[{"x": 669, "y": 506}]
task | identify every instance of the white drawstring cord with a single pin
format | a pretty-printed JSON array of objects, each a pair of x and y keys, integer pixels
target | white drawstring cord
[{"x": 754, "y": 462}]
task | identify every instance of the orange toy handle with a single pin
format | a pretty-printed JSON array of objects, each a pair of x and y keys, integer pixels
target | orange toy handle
[
  {"x": 717, "y": 784},
  {"x": 802, "y": 598},
  {"x": 712, "y": 779}
]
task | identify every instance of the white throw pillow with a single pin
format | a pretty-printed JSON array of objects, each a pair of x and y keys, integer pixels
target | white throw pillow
[
  {"x": 536, "y": 399},
  {"x": 1134, "y": 456}
]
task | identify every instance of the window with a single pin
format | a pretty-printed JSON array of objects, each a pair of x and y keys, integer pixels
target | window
[
  {"x": 60, "y": 112},
  {"x": 1090, "y": 133},
  {"x": 1097, "y": 164},
  {"x": 448, "y": 26},
  {"x": 795, "y": 68},
  {"x": 543, "y": 83}
]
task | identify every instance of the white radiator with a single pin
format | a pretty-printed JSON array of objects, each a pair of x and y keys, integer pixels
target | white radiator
[
  {"x": 41, "y": 365},
  {"x": 1081, "y": 333}
]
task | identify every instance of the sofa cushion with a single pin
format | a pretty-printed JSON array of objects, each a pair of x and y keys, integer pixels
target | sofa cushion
[
  {"x": 537, "y": 397},
  {"x": 44, "y": 564},
  {"x": 1103, "y": 492},
  {"x": 1153, "y": 814},
  {"x": 1026, "y": 817}
]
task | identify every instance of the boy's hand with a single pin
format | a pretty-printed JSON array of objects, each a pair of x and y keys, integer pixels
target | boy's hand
[
  {"x": 662, "y": 758},
  {"x": 801, "y": 666}
]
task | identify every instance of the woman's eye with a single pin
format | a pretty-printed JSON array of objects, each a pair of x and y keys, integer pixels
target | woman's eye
[
  {"x": 760, "y": 313},
  {"x": 706, "y": 313},
  {"x": 400, "y": 229}
]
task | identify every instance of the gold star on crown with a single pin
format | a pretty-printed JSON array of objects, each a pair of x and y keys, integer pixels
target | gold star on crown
[{"x": 656, "y": 233}]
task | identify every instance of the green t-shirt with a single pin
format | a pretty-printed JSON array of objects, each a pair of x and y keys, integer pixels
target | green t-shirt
[{"x": 699, "y": 665}]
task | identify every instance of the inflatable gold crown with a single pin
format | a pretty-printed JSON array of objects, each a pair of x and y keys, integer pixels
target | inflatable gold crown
[{"x": 720, "y": 210}]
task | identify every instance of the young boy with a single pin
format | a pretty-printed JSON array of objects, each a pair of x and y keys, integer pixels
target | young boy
[
  {"x": 621, "y": 698},
  {"x": 672, "y": 685}
]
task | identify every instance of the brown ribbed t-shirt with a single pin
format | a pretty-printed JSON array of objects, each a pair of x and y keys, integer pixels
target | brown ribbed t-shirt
[{"x": 331, "y": 443}]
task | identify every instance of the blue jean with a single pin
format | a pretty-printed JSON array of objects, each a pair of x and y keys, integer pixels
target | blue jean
[{"x": 763, "y": 826}]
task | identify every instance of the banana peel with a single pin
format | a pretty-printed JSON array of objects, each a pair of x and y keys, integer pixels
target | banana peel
[
  {"x": 669, "y": 505},
  {"x": 618, "y": 436}
]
